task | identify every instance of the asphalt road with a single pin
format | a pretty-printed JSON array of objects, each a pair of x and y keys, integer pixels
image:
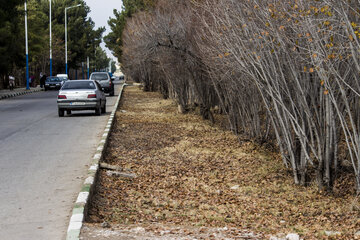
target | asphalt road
[{"x": 43, "y": 161}]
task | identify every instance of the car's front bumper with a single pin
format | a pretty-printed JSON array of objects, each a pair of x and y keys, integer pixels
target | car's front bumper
[{"x": 53, "y": 86}]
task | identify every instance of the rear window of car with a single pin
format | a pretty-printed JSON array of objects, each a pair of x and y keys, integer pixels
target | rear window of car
[
  {"x": 99, "y": 76},
  {"x": 78, "y": 85}
]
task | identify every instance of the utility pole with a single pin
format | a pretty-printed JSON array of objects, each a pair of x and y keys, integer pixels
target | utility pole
[
  {"x": 88, "y": 68},
  {"x": 66, "y": 66},
  {"x": 50, "y": 41},
  {"x": 26, "y": 49}
]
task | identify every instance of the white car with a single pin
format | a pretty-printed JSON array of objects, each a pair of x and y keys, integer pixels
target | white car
[
  {"x": 63, "y": 78},
  {"x": 81, "y": 95}
]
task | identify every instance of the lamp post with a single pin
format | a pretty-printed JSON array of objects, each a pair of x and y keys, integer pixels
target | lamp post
[
  {"x": 26, "y": 49},
  {"x": 95, "y": 60},
  {"x": 88, "y": 67},
  {"x": 50, "y": 41},
  {"x": 66, "y": 62}
]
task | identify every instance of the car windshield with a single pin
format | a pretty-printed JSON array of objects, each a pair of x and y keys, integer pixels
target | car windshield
[
  {"x": 99, "y": 76},
  {"x": 78, "y": 85},
  {"x": 53, "y": 79},
  {"x": 63, "y": 78}
]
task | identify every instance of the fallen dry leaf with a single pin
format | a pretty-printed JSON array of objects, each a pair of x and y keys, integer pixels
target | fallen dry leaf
[{"x": 187, "y": 171}]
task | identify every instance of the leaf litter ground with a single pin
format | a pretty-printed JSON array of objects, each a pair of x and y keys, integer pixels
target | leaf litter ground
[{"x": 197, "y": 181}]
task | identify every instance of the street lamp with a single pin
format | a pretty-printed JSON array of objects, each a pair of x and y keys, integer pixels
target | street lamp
[
  {"x": 26, "y": 50},
  {"x": 88, "y": 67},
  {"x": 66, "y": 62},
  {"x": 50, "y": 40}
]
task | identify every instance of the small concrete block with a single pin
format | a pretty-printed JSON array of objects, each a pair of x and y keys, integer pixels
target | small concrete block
[
  {"x": 89, "y": 180},
  {"x": 77, "y": 218},
  {"x": 100, "y": 148},
  {"x": 73, "y": 235},
  {"x": 74, "y": 226},
  {"x": 97, "y": 156},
  {"x": 93, "y": 167},
  {"x": 82, "y": 198},
  {"x": 105, "y": 135}
]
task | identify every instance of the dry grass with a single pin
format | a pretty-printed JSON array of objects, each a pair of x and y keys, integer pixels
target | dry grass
[{"x": 191, "y": 173}]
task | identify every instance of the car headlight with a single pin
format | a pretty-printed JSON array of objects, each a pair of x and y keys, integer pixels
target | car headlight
[{"x": 46, "y": 84}]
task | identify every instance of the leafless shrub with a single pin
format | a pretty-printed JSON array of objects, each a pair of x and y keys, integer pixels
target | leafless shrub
[
  {"x": 278, "y": 69},
  {"x": 160, "y": 54}
]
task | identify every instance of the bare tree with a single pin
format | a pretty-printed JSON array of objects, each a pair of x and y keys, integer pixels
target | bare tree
[{"x": 279, "y": 70}]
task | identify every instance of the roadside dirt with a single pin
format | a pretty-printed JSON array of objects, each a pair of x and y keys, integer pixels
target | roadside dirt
[{"x": 197, "y": 181}]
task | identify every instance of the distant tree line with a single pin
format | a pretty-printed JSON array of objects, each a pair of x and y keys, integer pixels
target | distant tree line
[
  {"x": 282, "y": 71},
  {"x": 83, "y": 38}
]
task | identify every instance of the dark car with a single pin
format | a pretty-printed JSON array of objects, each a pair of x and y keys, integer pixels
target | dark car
[
  {"x": 63, "y": 78},
  {"x": 52, "y": 83},
  {"x": 105, "y": 81}
]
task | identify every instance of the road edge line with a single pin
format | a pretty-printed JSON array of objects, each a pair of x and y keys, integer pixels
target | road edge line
[{"x": 80, "y": 208}]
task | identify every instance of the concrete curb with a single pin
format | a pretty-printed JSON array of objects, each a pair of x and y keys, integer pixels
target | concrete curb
[
  {"x": 81, "y": 205},
  {"x": 14, "y": 94}
]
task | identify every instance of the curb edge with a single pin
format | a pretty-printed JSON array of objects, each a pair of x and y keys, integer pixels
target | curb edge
[
  {"x": 81, "y": 204},
  {"x": 15, "y": 94}
]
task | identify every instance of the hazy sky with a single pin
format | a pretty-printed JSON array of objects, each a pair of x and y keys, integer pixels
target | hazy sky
[{"x": 101, "y": 11}]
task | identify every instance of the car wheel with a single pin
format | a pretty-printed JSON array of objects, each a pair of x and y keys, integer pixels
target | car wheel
[
  {"x": 45, "y": 89},
  {"x": 68, "y": 112},
  {"x": 103, "y": 109},
  {"x": 61, "y": 112},
  {"x": 98, "y": 110},
  {"x": 112, "y": 93}
]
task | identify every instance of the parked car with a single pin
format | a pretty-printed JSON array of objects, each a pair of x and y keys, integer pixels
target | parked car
[
  {"x": 52, "y": 83},
  {"x": 63, "y": 78},
  {"x": 81, "y": 95},
  {"x": 106, "y": 82}
]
